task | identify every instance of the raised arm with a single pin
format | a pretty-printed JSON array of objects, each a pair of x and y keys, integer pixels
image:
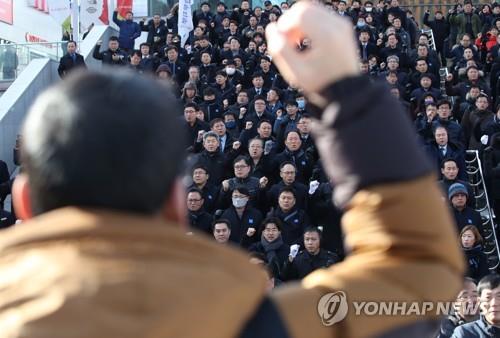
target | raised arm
[
  {"x": 117, "y": 21},
  {"x": 400, "y": 235},
  {"x": 97, "y": 54}
]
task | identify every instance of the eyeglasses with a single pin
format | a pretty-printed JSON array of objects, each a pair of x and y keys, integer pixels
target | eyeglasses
[
  {"x": 242, "y": 166},
  {"x": 192, "y": 200}
]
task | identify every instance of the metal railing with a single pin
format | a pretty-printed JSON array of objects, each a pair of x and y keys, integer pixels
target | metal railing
[
  {"x": 482, "y": 205},
  {"x": 443, "y": 71},
  {"x": 15, "y": 57}
]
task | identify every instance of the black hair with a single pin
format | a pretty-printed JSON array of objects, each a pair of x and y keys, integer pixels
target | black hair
[
  {"x": 113, "y": 38},
  {"x": 288, "y": 163},
  {"x": 288, "y": 189},
  {"x": 216, "y": 120},
  {"x": 171, "y": 47},
  {"x": 277, "y": 91},
  {"x": 313, "y": 229},
  {"x": 221, "y": 220},
  {"x": 136, "y": 52},
  {"x": 84, "y": 156},
  {"x": 199, "y": 166},
  {"x": 274, "y": 220},
  {"x": 195, "y": 190},
  {"x": 260, "y": 98},
  {"x": 244, "y": 158},
  {"x": 264, "y": 121},
  {"x": 192, "y": 105},
  {"x": 443, "y": 102},
  {"x": 257, "y": 74},
  {"x": 242, "y": 190},
  {"x": 448, "y": 159},
  {"x": 209, "y": 91},
  {"x": 489, "y": 282}
]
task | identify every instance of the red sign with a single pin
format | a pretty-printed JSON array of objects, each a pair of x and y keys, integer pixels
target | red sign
[
  {"x": 6, "y": 11},
  {"x": 33, "y": 38},
  {"x": 124, "y": 6}
]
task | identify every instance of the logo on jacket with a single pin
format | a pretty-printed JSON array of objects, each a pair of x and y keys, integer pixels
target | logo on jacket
[{"x": 332, "y": 307}]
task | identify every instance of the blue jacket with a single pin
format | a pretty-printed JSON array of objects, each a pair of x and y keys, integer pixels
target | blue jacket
[
  {"x": 477, "y": 329},
  {"x": 129, "y": 31}
]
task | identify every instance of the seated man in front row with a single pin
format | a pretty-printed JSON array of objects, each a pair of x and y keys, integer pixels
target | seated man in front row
[{"x": 104, "y": 233}]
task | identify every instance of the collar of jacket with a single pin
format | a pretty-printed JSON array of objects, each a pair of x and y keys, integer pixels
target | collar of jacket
[
  {"x": 282, "y": 214},
  {"x": 483, "y": 113},
  {"x": 113, "y": 267},
  {"x": 298, "y": 152},
  {"x": 475, "y": 249},
  {"x": 487, "y": 327},
  {"x": 243, "y": 180},
  {"x": 456, "y": 320},
  {"x": 212, "y": 154},
  {"x": 197, "y": 213},
  {"x": 319, "y": 255}
]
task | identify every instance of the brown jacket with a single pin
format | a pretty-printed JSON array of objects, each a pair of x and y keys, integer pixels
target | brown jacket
[
  {"x": 75, "y": 273},
  {"x": 80, "y": 274}
]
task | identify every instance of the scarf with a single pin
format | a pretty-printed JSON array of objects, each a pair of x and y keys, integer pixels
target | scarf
[{"x": 271, "y": 247}]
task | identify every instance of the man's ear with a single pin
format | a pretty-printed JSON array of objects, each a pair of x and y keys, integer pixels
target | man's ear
[
  {"x": 175, "y": 210},
  {"x": 21, "y": 197}
]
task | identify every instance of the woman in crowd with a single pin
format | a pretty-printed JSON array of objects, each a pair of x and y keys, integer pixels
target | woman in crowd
[{"x": 472, "y": 245}]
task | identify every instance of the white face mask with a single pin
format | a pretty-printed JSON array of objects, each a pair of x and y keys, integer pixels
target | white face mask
[
  {"x": 239, "y": 202},
  {"x": 230, "y": 71}
]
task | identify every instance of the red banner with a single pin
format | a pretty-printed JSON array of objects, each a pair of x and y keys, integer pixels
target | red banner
[
  {"x": 6, "y": 11},
  {"x": 104, "y": 15},
  {"x": 41, "y": 5},
  {"x": 124, "y": 6}
]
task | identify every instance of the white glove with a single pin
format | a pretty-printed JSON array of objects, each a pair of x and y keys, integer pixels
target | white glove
[
  {"x": 313, "y": 186},
  {"x": 294, "y": 250},
  {"x": 484, "y": 139}
]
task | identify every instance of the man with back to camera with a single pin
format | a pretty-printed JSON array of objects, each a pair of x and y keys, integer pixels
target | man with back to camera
[{"x": 117, "y": 230}]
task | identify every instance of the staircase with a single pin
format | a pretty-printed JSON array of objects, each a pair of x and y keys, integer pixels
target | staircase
[{"x": 482, "y": 205}]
